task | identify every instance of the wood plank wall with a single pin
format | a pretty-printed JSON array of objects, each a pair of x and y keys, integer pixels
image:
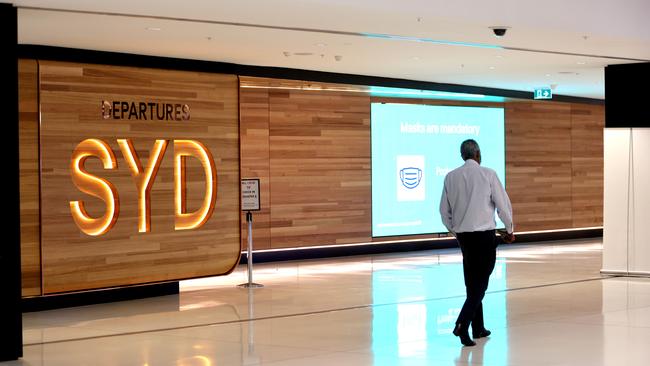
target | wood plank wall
[
  {"x": 70, "y": 100},
  {"x": 255, "y": 162},
  {"x": 553, "y": 158},
  {"x": 30, "y": 241},
  {"x": 587, "y": 124},
  {"x": 538, "y": 164},
  {"x": 319, "y": 167}
]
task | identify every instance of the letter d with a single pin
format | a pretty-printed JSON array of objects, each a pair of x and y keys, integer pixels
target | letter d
[{"x": 192, "y": 220}]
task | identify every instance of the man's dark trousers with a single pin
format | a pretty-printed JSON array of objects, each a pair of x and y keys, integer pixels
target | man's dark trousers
[{"x": 479, "y": 256}]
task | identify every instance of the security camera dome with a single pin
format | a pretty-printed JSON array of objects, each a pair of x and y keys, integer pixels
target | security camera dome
[{"x": 499, "y": 31}]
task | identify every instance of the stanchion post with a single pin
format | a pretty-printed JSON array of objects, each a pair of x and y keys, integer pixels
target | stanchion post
[
  {"x": 249, "y": 254},
  {"x": 250, "y": 202}
]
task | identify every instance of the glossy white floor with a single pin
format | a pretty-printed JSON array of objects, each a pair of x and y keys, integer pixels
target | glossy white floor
[{"x": 547, "y": 305}]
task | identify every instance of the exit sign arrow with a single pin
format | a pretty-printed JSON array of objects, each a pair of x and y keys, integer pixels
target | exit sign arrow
[{"x": 543, "y": 93}]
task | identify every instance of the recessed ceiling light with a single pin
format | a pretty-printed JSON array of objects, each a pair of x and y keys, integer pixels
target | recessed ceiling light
[
  {"x": 548, "y": 75},
  {"x": 153, "y": 29},
  {"x": 321, "y": 44},
  {"x": 581, "y": 63},
  {"x": 499, "y": 56},
  {"x": 286, "y": 53},
  {"x": 415, "y": 58},
  {"x": 492, "y": 67}
]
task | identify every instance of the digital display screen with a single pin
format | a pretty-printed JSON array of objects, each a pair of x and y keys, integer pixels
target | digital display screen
[{"x": 413, "y": 148}]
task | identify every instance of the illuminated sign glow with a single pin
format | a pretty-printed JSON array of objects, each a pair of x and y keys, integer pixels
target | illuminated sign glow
[
  {"x": 144, "y": 179},
  {"x": 94, "y": 186},
  {"x": 543, "y": 93},
  {"x": 144, "y": 182},
  {"x": 183, "y": 149}
]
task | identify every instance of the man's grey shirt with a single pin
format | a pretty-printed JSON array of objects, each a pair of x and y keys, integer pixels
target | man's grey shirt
[{"x": 469, "y": 197}]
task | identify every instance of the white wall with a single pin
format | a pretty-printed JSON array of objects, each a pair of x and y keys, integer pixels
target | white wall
[{"x": 626, "y": 216}]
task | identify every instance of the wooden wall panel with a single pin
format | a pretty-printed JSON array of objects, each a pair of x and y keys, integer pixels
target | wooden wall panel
[
  {"x": 553, "y": 181},
  {"x": 320, "y": 168},
  {"x": 30, "y": 241},
  {"x": 587, "y": 124},
  {"x": 70, "y": 100},
  {"x": 538, "y": 164},
  {"x": 254, "y": 137}
]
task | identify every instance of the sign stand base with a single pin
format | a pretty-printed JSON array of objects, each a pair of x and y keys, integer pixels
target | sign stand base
[{"x": 249, "y": 255}]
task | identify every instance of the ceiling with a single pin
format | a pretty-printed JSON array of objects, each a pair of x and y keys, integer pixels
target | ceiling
[{"x": 558, "y": 43}]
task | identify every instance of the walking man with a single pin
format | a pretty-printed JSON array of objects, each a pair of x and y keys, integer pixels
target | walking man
[{"x": 470, "y": 195}]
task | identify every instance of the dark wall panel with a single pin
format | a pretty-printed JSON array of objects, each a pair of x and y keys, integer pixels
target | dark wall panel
[
  {"x": 625, "y": 101},
  {"x": 10, "y": 314}
]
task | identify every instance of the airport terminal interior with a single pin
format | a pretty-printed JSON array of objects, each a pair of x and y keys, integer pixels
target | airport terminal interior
[{"x": 213, "y": 182}]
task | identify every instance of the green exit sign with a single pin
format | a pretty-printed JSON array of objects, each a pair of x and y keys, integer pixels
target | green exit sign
[{"x": 543, "y": 93}]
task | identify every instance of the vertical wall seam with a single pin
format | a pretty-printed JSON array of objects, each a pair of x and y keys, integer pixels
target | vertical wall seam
[
  {"x": 630, "y": 202},
  {"x": 268, "y": 123},
  {"x": 571, "y": 160},
  {"x": 40, "y": 175}
]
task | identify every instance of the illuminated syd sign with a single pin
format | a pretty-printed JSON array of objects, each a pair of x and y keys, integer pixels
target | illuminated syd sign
[{"x": 143, "y": 174}]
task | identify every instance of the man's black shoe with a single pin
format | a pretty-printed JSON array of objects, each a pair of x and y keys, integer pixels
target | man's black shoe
[
  {"x": 481, "y": 333},
  {"x": 464, "y": 335}
]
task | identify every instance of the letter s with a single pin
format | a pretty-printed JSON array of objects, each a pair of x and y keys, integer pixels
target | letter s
[{"x": 94, "y": 186}]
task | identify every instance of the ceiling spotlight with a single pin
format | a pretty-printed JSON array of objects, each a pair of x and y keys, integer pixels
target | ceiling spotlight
[
  {"x": 156, "y": 29},
  {"x": 286, "y": 54},
  {"x": 581, "y": 63},
  {"x": 338, "y": 57},
  {"x": 492, "y": 67},
  {"x": 321, "y": 44}
]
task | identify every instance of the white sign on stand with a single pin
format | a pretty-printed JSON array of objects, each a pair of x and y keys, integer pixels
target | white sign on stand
[{"x": 250, "y": 194}]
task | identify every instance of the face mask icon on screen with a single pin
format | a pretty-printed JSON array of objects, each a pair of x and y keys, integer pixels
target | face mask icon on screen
[{"x": 410, "y": 177}]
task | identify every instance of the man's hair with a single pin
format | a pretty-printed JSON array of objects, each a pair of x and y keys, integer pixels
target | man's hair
[{"x": 469, "y": 149}]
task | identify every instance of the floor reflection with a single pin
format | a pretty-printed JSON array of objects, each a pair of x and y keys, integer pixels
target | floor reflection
[
  {"x": 416, "y": 309},
  {"x": 547, "y": 305}
]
